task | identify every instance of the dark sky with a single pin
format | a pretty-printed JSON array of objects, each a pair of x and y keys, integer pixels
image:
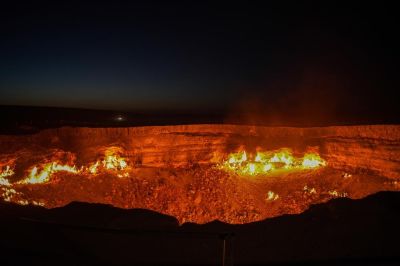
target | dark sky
[{"x": 298, "y": 57}]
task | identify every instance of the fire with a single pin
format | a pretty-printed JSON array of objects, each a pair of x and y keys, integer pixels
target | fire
[
  {"x": 93, "y": 168},
  {"x": 284, "y": 157},
  {"x": 42, "y": 174},
  {"x": 114, "y": 162},
  {"x": 111, "y": 161},
  {"x": 8, "y": 194},
  {"x": 241, "y": 163},
  {"x": 37, "y": 176},
  {"x": 5, "y": 173},
  {"x": 311, "y": 160},
  {"x": 272, "y": 196},
  {"x": 268, "y": 162}
]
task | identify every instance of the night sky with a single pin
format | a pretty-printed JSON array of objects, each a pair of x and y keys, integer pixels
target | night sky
[{"x": 303, "y": 59}]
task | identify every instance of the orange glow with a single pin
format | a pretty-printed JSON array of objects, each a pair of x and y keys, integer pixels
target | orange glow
[
  {"x": 267, "y": 162},
  {"x": 197, "y": 174},
  {"x": 113, "y": 163}
]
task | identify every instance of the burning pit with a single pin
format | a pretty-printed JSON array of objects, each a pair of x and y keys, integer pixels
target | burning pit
[{"x": 200, "y": 173}]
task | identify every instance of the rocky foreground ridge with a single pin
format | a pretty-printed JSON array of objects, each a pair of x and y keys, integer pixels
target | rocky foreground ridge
[{"x": 339, "y": 232}]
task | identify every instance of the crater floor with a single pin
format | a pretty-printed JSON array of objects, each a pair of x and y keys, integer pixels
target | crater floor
[{"x": 201, "y": 194}]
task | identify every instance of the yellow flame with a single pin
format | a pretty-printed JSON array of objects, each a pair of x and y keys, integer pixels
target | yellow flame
[
  {"x": 110, "y": 162},
  {"x": 114, "y": 162},
  {"x": 312, "y": 160},
  {"x": 266, "y": 162},
  {"x": 5, "y": 173},
  {"x": 23, "y": 202},
  {"x": 335, "y": 193},
  {"x": 267, "y": 167},
  {"x": 93, "y": 168},
  {"x": 37, "y": 177},
  {"x": 272, "y": 196},
  {"x": 11, "y": 195},
  {"x": 284, "y": 156},
  {"x": 252, "y": 168},
  {"x": 42, "y": 174},
  {"x": 8, "y": 194}
]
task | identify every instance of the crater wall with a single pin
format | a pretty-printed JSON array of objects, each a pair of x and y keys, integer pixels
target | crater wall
[{"x": 374, "y": 148}]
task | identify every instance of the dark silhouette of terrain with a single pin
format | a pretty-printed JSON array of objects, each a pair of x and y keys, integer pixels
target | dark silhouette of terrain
[
  {"x": 31, "y": 119},
  {"x": 339, "y": 232}
]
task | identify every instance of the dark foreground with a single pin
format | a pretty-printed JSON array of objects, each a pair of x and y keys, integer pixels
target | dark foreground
[{"x": 340, "y": 232}]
